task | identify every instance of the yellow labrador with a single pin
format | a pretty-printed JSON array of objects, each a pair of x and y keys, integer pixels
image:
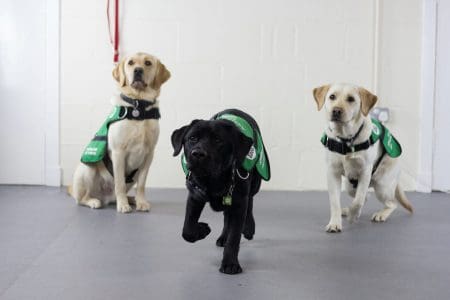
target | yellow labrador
[
  {"x": 354, "y": 154},
  {"x": 130, "y": 141}
]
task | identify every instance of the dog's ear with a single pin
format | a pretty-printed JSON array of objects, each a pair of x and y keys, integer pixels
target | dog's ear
[
  {"x": 241, "y": 145},
  {"x": 319, "y": 95},
  {"x": 178, "y": 137},
  {"x": 119, "y": 73},
  {"x": 162, "y": 75},
  {"x": 368, "y": 101}
]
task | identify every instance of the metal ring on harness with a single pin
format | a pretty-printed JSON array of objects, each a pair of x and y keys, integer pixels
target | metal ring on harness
[
  {"x": 242, "y": 177},
  {"x": 124, "y": 113}
]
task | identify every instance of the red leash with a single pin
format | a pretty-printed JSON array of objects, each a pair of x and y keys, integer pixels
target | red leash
[{"x": 115, "y": 41}]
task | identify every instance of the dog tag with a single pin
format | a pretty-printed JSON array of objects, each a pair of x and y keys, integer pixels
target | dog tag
[
  {"x": 135, "y": 113},
  {"x": 226, "y": 200}
]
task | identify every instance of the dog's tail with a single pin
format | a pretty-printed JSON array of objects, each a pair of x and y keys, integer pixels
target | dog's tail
[
  {"x": 69, "y": 190},
  {"x": 401, "y": 197}
]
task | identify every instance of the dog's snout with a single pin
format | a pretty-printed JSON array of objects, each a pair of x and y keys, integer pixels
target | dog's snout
[
  {"x": 138, "y": 71},
  {"x": 337, "y": 113},
  {"x": 198, "y": 153}
]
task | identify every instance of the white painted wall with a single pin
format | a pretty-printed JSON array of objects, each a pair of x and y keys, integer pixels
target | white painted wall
[
  {"x": 261, "y": 56},
  {"x": 22, "y": 91}
]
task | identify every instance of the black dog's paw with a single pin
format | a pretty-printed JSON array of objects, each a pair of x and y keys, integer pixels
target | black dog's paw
[
  {"x": 248, "y": 236},
  {"x": 198, "y": 233},
  {"x": 230, "y": 268},
  {"x": 221, "y": 241}
]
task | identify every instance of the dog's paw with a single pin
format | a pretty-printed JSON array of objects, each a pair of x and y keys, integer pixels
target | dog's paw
[
  {"x": 221, "y": 241},
  {"x": 379, "y": 217},
  {"x": 200, "y": 231},
  {"x": 354, "y": 213},
  {"x": 123, "y": 207},
  {"x": 230, "y": 268},
  {"x": 94, "y": 203},
  {"x": 333, "y": 227},
  {"x": 143, "y": 205},
  {"x": 345, "y": 211}
]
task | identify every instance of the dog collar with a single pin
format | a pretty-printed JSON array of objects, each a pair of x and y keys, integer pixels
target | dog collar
[
  {"x": 349, "y": 141},
  {"x": 137, "y": 102},
  {"x": 202, "y": 193},
  {"x": 345, "y": 145},
  {"x": 138, "y": 111}
]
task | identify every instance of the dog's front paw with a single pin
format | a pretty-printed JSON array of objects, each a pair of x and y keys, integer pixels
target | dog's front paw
[
  {"x": 143, "y": 205},
  {"x": 199, "y": 232},
  {"x": 123, "y": 207},
  {"x": 380, "y": 216},
  {"x": 333, "y": 227},
  {"x": 353, "y": 213},
  {"x": 230, "y": 268}
]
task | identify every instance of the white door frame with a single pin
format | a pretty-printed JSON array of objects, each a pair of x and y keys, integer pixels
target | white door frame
[
  {"x": 428, "y": 96},
  {"x": 428, "y": 66},
  {"x": 52, "y": 145}
]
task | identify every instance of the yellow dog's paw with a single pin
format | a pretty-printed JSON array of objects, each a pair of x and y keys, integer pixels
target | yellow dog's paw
[
  {"x": 333, "y": 227},
  {"x": 143, "y": 205},
  {"x": 123, "y": 208}
]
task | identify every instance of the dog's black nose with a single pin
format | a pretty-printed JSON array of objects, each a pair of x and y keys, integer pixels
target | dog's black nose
[
  {"x": 138, "y": 71},
  {"x": 198, "y": 153},
  {"x": 336, "y": 113}
]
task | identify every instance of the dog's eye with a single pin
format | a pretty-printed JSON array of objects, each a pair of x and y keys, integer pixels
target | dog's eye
[
  {"x": 130, "y": 63},
  {"x": 193, "y": 139},
  {"x": 332, "y": 96},
  {"x": 148, "y": 63},
  {"x": 218, "y": 140},
  {"x": 351, "y": 99}
]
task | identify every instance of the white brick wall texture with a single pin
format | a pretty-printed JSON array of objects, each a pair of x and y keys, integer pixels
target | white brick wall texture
[{"x": 261, "y": 56}]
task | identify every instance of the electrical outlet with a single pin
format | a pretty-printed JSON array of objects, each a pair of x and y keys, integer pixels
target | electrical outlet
[{"x": 382, "y": 114}]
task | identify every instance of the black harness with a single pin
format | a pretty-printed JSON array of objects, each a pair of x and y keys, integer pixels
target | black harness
[
  {"x": 344, "y": 146},
  {"x": 138, "y": 111},
  {"x": 202, "y": 193}
]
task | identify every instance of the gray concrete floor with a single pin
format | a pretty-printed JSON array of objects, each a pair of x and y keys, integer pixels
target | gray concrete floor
[{"x": 52, "y": 249}]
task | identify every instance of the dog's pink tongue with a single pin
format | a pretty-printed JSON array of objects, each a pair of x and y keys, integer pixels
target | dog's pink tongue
[{"x": 139, "y": 85}]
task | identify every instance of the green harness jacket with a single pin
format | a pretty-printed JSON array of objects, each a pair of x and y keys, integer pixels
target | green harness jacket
[
  {"x": 379, "y": 132},
  {"x": 257, "y": 155}
]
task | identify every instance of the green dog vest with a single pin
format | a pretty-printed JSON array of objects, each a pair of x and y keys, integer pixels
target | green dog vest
[
  {"x": 256, "y": 157},
  {"x": 96, "y": 149},
  {"x": 379, "y": 132}
]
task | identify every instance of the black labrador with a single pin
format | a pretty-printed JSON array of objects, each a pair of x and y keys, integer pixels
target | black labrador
[{"x": 214, "y": 151}]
